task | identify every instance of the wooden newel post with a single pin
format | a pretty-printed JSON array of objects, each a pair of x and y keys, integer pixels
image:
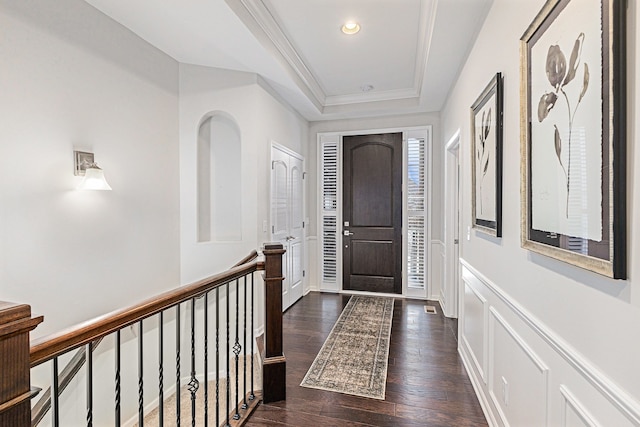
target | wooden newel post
[
  {"x": 274, "y": 368},
  {"x": 15, "y": 366}
]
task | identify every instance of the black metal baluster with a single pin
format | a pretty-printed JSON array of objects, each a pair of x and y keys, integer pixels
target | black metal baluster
[
  {"x": 244, "y": 346},
  {"x": 140, "y": 376},
  {"x": 193, "y": 382},
  {"x": 178, "y": 365},
  {"x": 55, "y": 409},
  {"x": 217, "y": 357},
  {"x": 227, "y": 356},
  {"x": 117, "y": 408},
  {"x": 252, "y": 394},
  {"x": 161, "y": 369},
  {"x": 89, "y": 359},
  {"x": 236, "y": 350},
  {"x": 206, "y": 359}
]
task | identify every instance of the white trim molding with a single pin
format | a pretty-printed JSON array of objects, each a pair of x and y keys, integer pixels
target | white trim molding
[
  {"x": 563, "y": 367},
  {"x": 259, "y": 19},
  {"x": 571, "y": 402},
  {"x": 481, "y": 367},
  {"x": 451, "y": 284}
]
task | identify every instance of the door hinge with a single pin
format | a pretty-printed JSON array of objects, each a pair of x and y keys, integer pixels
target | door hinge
[
  {"x": 304, "y": 175},
  {"x": 303, "y": 273},
  {"x": 302, "y": 224},
  {"x": 273, "y": 229}
]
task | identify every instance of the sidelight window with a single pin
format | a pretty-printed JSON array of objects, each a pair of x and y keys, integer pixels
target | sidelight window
[{"x": 416, "y": 208}]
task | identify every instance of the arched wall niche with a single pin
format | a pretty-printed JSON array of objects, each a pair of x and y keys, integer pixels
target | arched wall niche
[{"x": 219, "y": 178}]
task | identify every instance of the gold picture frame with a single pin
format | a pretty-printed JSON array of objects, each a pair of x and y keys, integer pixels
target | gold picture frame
[{"x": 573, "y": 135}]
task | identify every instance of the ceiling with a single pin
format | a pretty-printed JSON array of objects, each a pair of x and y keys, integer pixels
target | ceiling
[{"x": 405, "y": 58}]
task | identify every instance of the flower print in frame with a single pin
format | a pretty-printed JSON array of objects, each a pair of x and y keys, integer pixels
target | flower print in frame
[
  {"x": 573, "y": 134},
  {"x": 486, "y": 161}
]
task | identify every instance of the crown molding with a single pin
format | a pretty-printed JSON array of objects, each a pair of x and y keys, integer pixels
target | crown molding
[
  {"x": 387, "y": 95},
  {"x": 259, "y": 19},
  {"x": 428, "y": 12}
]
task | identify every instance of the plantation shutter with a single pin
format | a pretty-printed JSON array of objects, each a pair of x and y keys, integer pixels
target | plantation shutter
[
  {"x": 329, "y": 212},
  {"x": 416, "y": 207}
]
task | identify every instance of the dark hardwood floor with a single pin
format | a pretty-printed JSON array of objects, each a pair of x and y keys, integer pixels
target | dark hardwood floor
[{"x": 427, "y": 384}]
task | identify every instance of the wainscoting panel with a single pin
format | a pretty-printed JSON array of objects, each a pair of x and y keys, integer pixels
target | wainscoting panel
[
  {"x": 474, "y": 326},
  {"x": 574, "y": 412},
  {"x": 518, "y": 379},
  {"x": 527, "y": 375}
]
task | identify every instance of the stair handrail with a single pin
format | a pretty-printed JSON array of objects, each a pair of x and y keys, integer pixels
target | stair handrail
[
  {"x": 18, "y": 355},
  {"x": 46, "y": 348},
  {"x": 43, "y": 404}
]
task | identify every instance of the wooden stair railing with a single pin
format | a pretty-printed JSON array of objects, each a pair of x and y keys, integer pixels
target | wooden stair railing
[
  {"x": 43, "y": 405},
  {"x": 16, "y": 322}
]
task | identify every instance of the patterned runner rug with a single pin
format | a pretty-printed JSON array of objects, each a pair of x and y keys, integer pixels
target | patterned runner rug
[{"x": 354, "y": 358}]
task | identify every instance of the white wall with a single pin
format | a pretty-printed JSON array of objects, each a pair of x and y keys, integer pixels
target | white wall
[
  {"x": 261, "y": 119},
  {"x": 72, "y": 78},
  {"x": 552, "y": 330}
]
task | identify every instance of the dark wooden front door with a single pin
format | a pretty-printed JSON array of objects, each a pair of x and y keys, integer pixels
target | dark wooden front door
[{"x": 372, "y": 228}]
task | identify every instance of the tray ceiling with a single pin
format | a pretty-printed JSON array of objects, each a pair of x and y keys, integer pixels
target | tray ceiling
[{"x": 404, "y": 59}]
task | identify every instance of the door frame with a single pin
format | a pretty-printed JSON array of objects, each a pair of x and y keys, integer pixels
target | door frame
[
  {"x": 426, "y": 132},
  {"x": 303, "y": 241},
  {"x": 449, "y": 296}
]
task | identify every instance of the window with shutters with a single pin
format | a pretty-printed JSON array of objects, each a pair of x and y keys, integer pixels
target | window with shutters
[
  {"x": 329, "y": 222},
  {"x": 416, "y": 208}
]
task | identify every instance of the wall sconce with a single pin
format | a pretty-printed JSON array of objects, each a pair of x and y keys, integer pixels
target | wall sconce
[{"x": 86, "y": 166}]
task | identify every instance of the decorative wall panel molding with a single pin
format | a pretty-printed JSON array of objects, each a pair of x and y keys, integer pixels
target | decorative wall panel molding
[
  {"x": 513, "y": 331},
  {"x": 574, "y": 412},
  {"x": 518, "y": 378},
  {"x": 474, "y": 328}
]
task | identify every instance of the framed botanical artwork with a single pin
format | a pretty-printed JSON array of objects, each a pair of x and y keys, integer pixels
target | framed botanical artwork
[
  {"x": 486, "y": 163},
  {"x": 573, "y": 142}
]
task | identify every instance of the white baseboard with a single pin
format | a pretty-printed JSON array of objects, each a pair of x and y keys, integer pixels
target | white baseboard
[{"x": 477, "y": 387}]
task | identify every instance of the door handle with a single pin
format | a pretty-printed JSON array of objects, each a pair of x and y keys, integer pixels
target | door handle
[{"x": 347, "y": 233}]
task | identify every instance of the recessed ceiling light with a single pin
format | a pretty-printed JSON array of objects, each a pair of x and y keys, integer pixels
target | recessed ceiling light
[{"x": 350, "y": 27}]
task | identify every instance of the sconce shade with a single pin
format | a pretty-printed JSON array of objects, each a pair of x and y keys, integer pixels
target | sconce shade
[{"x": 94, "y": 179}]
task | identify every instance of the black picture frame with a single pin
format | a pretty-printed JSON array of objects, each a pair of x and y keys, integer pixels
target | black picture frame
[
  {"x": 573, "y": 185},
  {"x": 486, "y": 158}
]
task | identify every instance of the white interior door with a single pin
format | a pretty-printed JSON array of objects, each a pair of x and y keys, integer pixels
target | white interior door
[
  {"x": 296, "y": 229},
  {"x": 287, "y": 219}
]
